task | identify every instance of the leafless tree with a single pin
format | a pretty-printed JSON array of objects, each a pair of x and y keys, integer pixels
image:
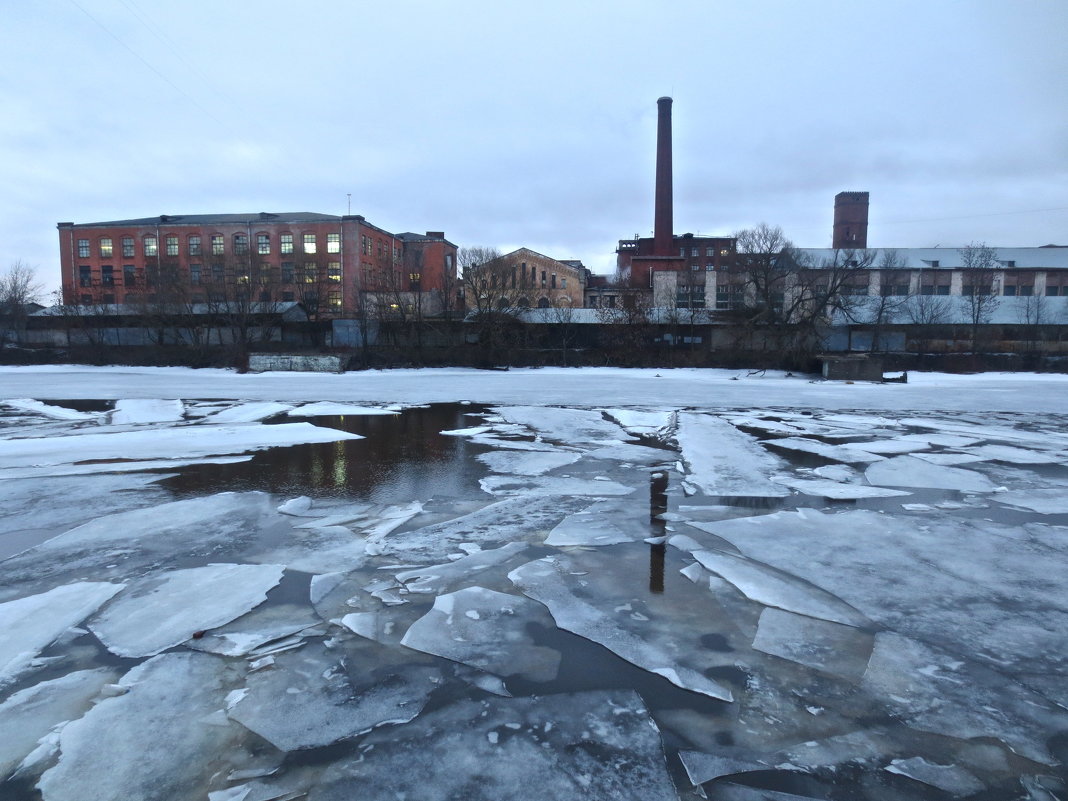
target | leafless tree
[
  {"x": 19, "y": 288},
  {"x": 979, "y": 295},
  {"x": 495, "y": 289}
]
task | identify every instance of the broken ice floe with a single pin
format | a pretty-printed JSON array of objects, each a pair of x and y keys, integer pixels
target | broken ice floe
[
  {"x": 49, "y": 410},
  {"x": 27, "y": 625},
  {"x": 29, "y": 715},
  {"x": 307, "y": 700},
  {"x": 828, "y": 647},
  {"x": 552, "y": 485},
  {"x": 326, "y": 408},
  {"x": 132, "y": 411},
  {"x": 433, "y": 579},
  {"x": 486, "y": 630},
  {"x": 264, "y": 624},
  {"x": 163, "y": 720},
  {"x": 640, "y": 640},
  {"x": 47, "y": 454},
  {"x": 1014, "y": 455},
  {"x": 527, "y": 463},
  {"x": 1052, "y": 501},
  {"x": 574, "y": 427},
  {"x": 724, "y": 461},
  {"x": 834, "y": 453},
  {"x": 644, "y": 423},
  {"x": 598, "y": 746},
  {"x": 161, "y": 611},
  {"x": 951, "y": 779},
  {"x": 909, "y": 471},
  {"x": 604, "y": 523},
  {"x": 701, "y": 767},
  {"x": 836, "y": 490}
]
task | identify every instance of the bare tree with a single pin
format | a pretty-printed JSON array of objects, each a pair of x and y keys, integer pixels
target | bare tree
[
  {"x": 19, "y": 288},
  {"x": 979, "y": 295},
  {"x": 886, "y": 307},
  {"x": 495, "y": 288}
]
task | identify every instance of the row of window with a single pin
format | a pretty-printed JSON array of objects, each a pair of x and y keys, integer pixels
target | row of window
[
  {"x": 306, "y": 272},
  {"x": 334, "y": 300},
  {"x": 217, "y": 243},
  {"x": 709, "y": 252}
]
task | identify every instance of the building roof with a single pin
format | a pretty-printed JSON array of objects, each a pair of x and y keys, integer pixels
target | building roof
[
  {"x": 1040, "y": 258},
  {"x": 955, "y": 310},
  {"x": 213, "y": 219}
]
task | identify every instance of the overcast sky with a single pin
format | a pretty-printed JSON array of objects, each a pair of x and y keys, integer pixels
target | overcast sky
[{"x": 534, "y": 124}]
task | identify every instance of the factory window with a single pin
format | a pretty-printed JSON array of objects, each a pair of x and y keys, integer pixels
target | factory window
[
  {"x": 127, "y": 247},
  {"x": 927, "y": 289},
  {"x": 695, "y": 267},
  {"x": 194, "y": 245},
  {"x": 309, "y": 243},
  {"x": 333, "y": 243},
  {"x": 107, "y": 275},
  {"x": 310, "y": 271},
  {"x": 934, "y": 263},
  {"x": 85, "y": 275},
  {"x": 105, "y": 247},
  {"x": 333, "y": 271},
  {"x": 943, "y": 289},
  {"x": 552, "y": 281},
  {"x": 285, "y": 243},
  {"x": 217, "y": 245},
  {"x": 563, "y": 283},
  {"x": 86, "y": 300},
  {"x": 263, "y": 244},
  {"x": 240, "y": 244},
  {"x": 194, "y": 273},
  {"x": 543, "y": 277},
  {"x": 150, "y": 246},
  {"x": 709, "y": 268},
  {"x": 693, "y": 252},
  {"x": 1051, "y": 291},
  {"x": 129, "y": 275},
  {"x": 333, "y": 299},
  {"x": 1027, "y": 290},
  {"x": 287, "y": 272},
  {"x": 682, "y": 252},
  {"x": 171, "y": 243},
  {"x": 83, "y": 248},
  {"x": 710, "y": 251},
  {"x": 1009, "y": 291},
  {"x": 217, "y": 273}
]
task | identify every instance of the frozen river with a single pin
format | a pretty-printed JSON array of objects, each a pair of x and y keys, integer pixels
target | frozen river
[{"x": 539, "y": 584}]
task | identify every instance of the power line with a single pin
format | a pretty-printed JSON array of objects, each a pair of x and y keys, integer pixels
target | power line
[{"x": 132, "y": 52}]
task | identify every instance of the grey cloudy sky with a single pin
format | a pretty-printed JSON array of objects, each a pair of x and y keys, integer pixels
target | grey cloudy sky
[{"x": 533, "y": 124}]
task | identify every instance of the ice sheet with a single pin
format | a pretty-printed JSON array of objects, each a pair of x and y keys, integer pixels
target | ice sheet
[
  {"x": 836, "y": 490},
  {"x": 828, "y": 647},
  {"x": 1043, "y": 501},
  {"x": 150, "y": 743},
  {"x": 702, "y": 767},
  {"x": 909, "y": 471},
  {"x": 553, "y": 582},
  {"x": 324, "y": 408},
  {"x": 30, "y": 714},
  {"x": 951, "y": 779},
  {"x": 553, "y": 485},
  {"x": 604, "y": 523},
  {"x": 307, "y": 700},
  {"x": 724, "y": 461},
  {"x": 166, "y": 443},
  {"x": 486, "y": 630},
  {"x": 565, "y": 426},
  {"x": 50, "y": 410},
  {"x": 29, "y": 624},
  {"x": 434, "y": 579},
  {"x": 248, "y": 412},
  {"x": 597, "y": 746},
  {"x": 133, "y": 411},
  {"x": 262, "y": 625},
  {"x": 164, "y": 610},
  {"x": 1014, "y": 455},
  {"x": 649, "y": 423},
  {"x": 527, "y": 463},
  {"x": 318, "y": 549},
  {"x": 835, "y": 453}
]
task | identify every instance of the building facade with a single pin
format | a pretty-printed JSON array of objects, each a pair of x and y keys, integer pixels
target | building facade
[{"x": 325, "y": 262}]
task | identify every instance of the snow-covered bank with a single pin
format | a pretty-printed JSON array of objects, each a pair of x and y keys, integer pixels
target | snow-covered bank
[{"x": 687, "y": 387}]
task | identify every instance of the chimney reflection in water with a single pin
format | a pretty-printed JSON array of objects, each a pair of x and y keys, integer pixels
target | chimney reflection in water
[{"x": 658, "y": 484}]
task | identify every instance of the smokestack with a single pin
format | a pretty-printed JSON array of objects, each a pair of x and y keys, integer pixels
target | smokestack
[
  {"x": 663, "y": 227},
  {"x": 850, "y": 220}
]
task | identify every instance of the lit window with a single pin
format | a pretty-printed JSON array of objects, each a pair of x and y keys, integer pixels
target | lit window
[
  {"x": 263, "y": 244},
  {"x": 240, "y": 244},
  {"x": 334, "y": 299},
  {"x": 217, "y": 245},
  {"x": 309, "y": 243},
  {"x": 150, "y": 246},
  {"x": 127, "y": 247},
  {"x": 724, "y": 252},
  {"x": 171, "y": 243},
  {"x": 310, "y": 272},
  {"x": 105, "y": 247},
  {"x": 285, "y": 243},
  {"x": 333, "y": 243},
  {"x": 194, "y": 245},
  {"x": 333, "y": 271},
  {"x": 83, "y": 248}
]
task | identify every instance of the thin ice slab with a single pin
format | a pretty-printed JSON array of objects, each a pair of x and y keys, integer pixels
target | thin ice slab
[
  {"x": 836, "y": 490},
  {"x": 634, "y": 636},
  {"x": 604, "y": 523},
  {"x": 827, "y": 647},
  {"x": 1052, "y": 501},
  {"x": 724, "y": 461},
  {"x": 325, "y": 408},
  {"x": 527, "y": 463},
  {"x": 597, "y": 746},
  {"x": 834, "y": 453},
  {"x": 27, "y": 625},
  {"x": 951, "y": 779},
  {"x": 153, "y": 742},
  {"x": 909, "y": 471},
  {"x": 307, "y": 700},
  {"x": 139, "y": 411},
  {"x": 486, "y": 630},
  {"x": 161, "y": 611}
]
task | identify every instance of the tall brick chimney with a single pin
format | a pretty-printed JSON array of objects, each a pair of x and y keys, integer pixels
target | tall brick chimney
[
  {"x": 662, "y": 222},
  {"x": 850, "y": 220}
]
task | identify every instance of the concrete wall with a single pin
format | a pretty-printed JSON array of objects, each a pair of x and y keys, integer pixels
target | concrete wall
[{"x": 262, "y": 362}]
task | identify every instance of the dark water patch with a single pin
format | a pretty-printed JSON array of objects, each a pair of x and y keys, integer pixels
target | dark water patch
[
  {"x": 404, "y": 456},
  {"x": 83, "y": 404}
]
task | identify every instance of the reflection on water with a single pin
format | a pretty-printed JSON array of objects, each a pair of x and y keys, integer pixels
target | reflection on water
[
  {"x": 403, "y": 457},
  {"x": 658, "y": 506}
]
